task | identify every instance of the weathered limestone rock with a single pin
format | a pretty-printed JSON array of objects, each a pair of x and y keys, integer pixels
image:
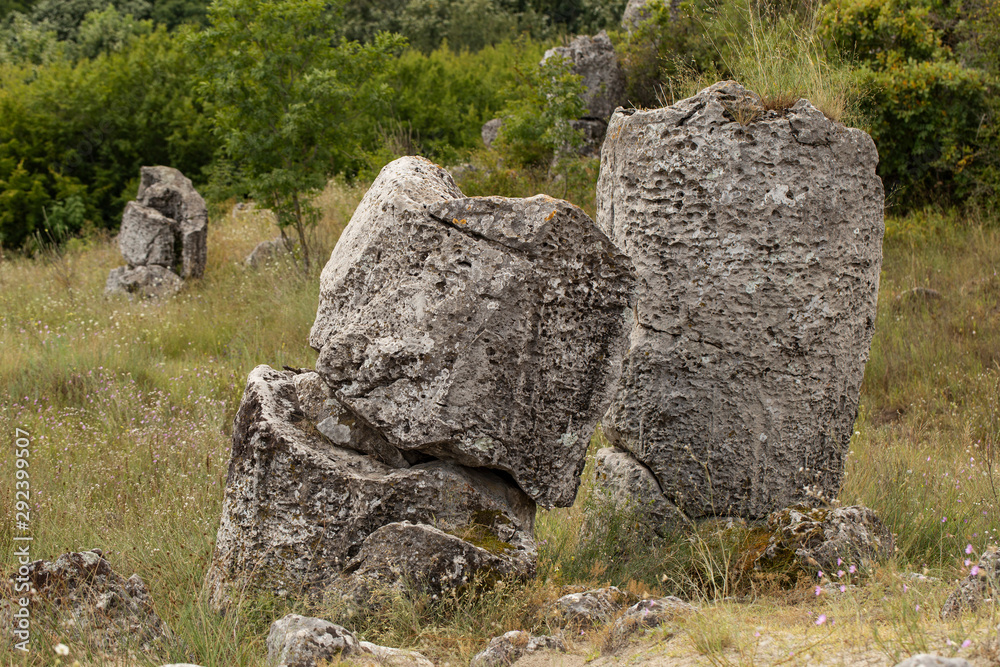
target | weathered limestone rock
[
  {"x": 642, "y": 615},
  {"x": 825, "y": 539},
  {"x": 169, "y": 192},
  {"x": 149, "y": 282},
  {"x": 594, "y": 59},
  {"x": 491, "y": 130},
  {"x": 267, "y": 251},
  {"x": 90, "y": 603},
  {"x": 757, "y": 242},
  {"x": 631, "y": 487},
  {"x": 302, "y": 641},
  {"x": 930, "y": 660},
  {"x": 485, "y": 331},
  {"x": 299, "y": 508},
  {"x": 146, "y": 237},
  {"x": 589, "y": 608},
  {"x": 510, "y": 647},
  {"x": 972, "y": 590},
  {"x": 636, "y": 12}
]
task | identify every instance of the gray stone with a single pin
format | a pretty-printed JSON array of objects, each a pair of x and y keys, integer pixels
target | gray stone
[
  {"x": 169, "y": 192},
  {"x": 146, "y": 237},
  {"x": 756, "y": 237},
  {"x": 642, "y": 615},
  {"x": 631, "y": 488},
  {"x": 303, "y": 641},
  {"x": 491, "y": 130},
  {"x": 267, "y": 252},
  {"x": 636, "y": 12},
  {"x": 973, "y": 589},
  {"x": 510, "y": 647},
  {"x": 928, "y": 660},
  {"x": 588, "y": 608},
  {"x": 486, "y": 331},
  {"x": 150, "y": 282},
  {"x": 594, "y": 59},
  {"x": 91, "y": 604},
  {"x": 816, "y": 538},
  {"x": 298, "y": 507},
  {"x": 402, "y": 554}
]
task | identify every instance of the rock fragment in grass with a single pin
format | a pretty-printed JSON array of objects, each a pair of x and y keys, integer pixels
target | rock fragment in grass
[
  {"x": 642, "y": 615},
  {"x": 929, "y": 660},
  {"x": 974, "y": 588},
  {"x": 80, "y": 594},
  {"x": 508, "y": 648},
  {"x": 588, "y": 608},
  {"x": 146, "y": 282},
  {"x": 303, "y": 641},
  {"x": 756, "y": 236}
]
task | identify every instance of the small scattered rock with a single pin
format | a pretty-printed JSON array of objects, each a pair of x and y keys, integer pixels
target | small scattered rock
[
  {"x": 814, "y": 538},
  {"x": 303, "y": 641},
  {"x": 589, "y": 608},
  {"x": 972, "y": 590},
  {"x": 645, "y": 614},
  {"x": 147, "y": 282},
  {"x": 510, "y": 647},
  {"x": 928, "y": 660},
  {"x": 922, "y": 293},
  {"x": 268, "y": 251},
  {"x": 83, "y": 595}
]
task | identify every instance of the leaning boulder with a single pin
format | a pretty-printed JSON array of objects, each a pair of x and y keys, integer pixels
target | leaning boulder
[
  {"x": 301, "y": 508},
  {"x": 484, "y": 331},
  {"x": 148, "y": 282},
  {"x": 595, "y": 60},
  {"x": 82, "y": 596},
  {"x": 757, "y": 241}
]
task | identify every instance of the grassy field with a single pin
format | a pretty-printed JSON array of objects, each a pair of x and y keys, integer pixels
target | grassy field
[{"x": 129, "y": 408}]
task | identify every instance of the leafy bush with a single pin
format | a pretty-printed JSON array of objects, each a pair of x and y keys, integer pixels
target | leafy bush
[{"x": 83, "y": 130}]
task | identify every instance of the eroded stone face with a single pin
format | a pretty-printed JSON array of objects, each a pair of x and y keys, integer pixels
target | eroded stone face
[
  {"x": 757, "y": 242},
  {"x": 299, "y": 507},
  {"x": 169, "y": 192},
  {"x": 486, "y": 331}
]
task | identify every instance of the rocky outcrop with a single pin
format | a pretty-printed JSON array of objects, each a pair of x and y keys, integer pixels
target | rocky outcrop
[
  {"x": 595, "y": 60},
  {"x": 484, "y": 330},
  {"x": 757, "y": 242},
  {"x": 148, "y": 282},
  {"x": 88, "y": 601},
  {"x": 467, "y": 347},
  {"x": 508, "y": 648},
  {"x": 164, "y": 230},
  {"x": 821, "y": 539},
  {"x": 299, "y": 507},
  {"x": 302, "y": 641},
  {"x": 975, "y": 587}
]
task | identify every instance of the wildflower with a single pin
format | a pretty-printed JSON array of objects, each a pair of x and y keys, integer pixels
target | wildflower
[
  {"x": 968, "y": 549},
  {"x": 967, "y": 643},
  {"x": 840, "y": 573},
  {"x": 820, "y": 574},
  {"x": 843, "y": 588},
  {"x": 974, "y": 571},
  {"x": 840, "y": 561},
  {"x": 852, "y": 569},
  {"x": 821, "y": 620},
  {"x": 819, "y": 589},
  {"x": 967, "y": 561},
  {"x": 61, "y": 649}
]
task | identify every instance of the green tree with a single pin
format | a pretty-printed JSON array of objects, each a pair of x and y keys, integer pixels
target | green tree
[{"x": 293, "y": 99}]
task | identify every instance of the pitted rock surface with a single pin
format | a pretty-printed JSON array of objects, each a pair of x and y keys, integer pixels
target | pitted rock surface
[
  {"x": 508, "y": 648},
  {"x": 757, "y": 242},
  {"x": 816, "y": 538},
  {"x": 148, "y": 282},
  {"x": 94, "y": 605},
  {"x": 974, "y": 588},
  {"x": 594, "y": 59},
  {"x": 299, "y": 507},
  {"x": 486, "y": 331}
]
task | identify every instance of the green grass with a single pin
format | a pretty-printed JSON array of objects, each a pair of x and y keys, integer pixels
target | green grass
[{"x": 129, "y": 407}]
